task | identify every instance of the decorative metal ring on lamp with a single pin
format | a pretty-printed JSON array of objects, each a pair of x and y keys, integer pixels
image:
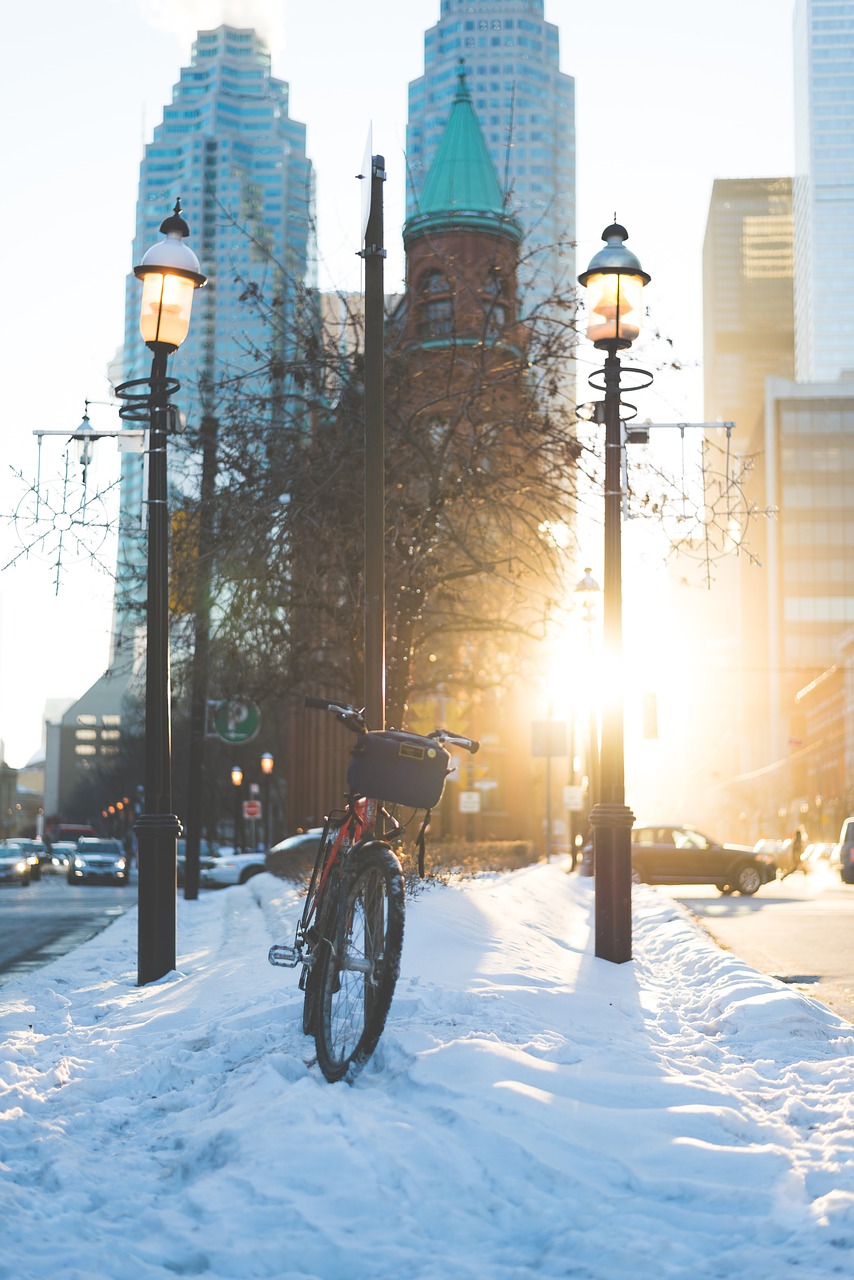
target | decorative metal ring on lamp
[{"x": 639, "y": 379}]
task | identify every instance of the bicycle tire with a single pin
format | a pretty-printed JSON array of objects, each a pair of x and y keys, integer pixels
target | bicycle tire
[
  {"x": 326, "y": 928},
  {"x": 358, "y": 975}
]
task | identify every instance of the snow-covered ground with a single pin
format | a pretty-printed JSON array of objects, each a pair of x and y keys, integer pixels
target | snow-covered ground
[{"x": 531, "y": 1111}]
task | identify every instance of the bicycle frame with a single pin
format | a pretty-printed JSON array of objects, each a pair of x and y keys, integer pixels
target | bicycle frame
[{"x": 343, "y": 831}]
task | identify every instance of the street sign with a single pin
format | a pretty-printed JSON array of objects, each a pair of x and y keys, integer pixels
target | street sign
[
  {"x": 252, "y": 808},
  {"x": 573, "y": 799},
  {"x": 365, "y": 175},
  {"x": 237, "y": 720},
  {"x": 548, "y": 738},
  {"x": 469, "y": 802}
]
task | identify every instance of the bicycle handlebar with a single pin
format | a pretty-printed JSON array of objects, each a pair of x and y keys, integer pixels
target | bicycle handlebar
[
  {"x": 456, "y": 740},
  {"x": 354, "y": 719},
  {"x": 350, "y": 716}
]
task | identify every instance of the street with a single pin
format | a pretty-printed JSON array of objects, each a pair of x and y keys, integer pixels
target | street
[
  {"x": 800, "y": 930},
  {"x": 49, "y": 918}
]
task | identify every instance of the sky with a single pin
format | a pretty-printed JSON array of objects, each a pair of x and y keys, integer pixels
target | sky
[
  {"x": 531, "y": 1112},
  {"x": 669, "y": 96}
]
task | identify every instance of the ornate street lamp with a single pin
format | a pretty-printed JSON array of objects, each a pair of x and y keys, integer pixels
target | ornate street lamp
[
  {"x": 267, "y": 765},
  {"x": 170, "y": 274},
  {"x": 614, "y": 281}
]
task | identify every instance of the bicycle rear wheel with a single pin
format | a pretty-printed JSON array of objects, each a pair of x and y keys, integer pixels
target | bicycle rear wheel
[
  {"x": 327, "y": 917},
  {"x": 358, "y": 974}
]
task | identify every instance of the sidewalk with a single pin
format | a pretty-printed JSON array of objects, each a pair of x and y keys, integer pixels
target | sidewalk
[{"x": 531, "y": 1111}]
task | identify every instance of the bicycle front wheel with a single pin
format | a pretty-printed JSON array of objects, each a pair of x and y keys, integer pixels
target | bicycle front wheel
[{"x": 358, "y": 974}]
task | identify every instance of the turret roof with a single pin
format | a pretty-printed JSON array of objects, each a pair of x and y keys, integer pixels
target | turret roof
[{"x": 462, "y": 186}]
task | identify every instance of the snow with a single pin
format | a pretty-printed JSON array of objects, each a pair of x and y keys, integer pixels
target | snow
[{"x": 531, "y": 1111}]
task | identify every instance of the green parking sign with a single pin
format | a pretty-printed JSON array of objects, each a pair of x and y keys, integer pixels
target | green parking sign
[{"x": 237, "y": 720}]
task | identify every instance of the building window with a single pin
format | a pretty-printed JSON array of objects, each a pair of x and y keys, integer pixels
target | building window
[
  {"x": 438, "y": 318},
  {"x": 437, "y": 306}
]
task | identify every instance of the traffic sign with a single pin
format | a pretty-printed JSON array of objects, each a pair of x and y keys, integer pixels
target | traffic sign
[
  {"x": 252, "y": 808},
  {"x": 469, "y": 802},
  {"x": 573, "y": 799},
  {"x": 237, "y": 720}
]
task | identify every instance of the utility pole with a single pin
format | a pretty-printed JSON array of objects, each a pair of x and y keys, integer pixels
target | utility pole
[{"x": 374, "y": 254}]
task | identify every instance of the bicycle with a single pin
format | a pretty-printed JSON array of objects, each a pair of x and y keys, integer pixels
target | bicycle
[{"x": 350, "y": 935}]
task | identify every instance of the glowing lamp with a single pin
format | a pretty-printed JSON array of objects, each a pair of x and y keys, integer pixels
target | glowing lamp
[
  {"x": 614, "y": 282},
  {"x": 170, "y": 275}
]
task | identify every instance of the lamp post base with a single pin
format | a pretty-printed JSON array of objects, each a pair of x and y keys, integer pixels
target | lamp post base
[
  {"x": 612, "y": 863},
  {"x": 157, "y": 844}
]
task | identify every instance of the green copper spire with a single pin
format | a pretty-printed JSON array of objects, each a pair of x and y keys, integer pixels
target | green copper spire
[{"x": 462, "y": 187}]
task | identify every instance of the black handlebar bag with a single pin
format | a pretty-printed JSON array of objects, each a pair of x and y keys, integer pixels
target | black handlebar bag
[{"x": 399, "y": 768}]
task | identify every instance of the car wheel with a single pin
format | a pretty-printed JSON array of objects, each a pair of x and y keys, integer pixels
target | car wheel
[
  {"x": 637, "y": 878},
  {"x": 748, "y": 880},
  {"x": 725, "y": 889},
  {"x": 249, "y": 873}
]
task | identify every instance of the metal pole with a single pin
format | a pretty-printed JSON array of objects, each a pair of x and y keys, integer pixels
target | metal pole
[
  {"x": 201, "y": 657},
  {"x": 157, "y": 829},
  {"x": 549, "y": 800},
  {"x": 374, "y": 254},
  {"x": 611, "y": 819}
]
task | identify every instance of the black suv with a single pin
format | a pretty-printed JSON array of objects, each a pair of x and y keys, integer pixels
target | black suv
[{"x": 681, "y": 855}]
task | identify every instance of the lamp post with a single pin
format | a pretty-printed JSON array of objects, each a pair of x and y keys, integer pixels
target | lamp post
[
  {"x": 614, "y": 282},
  {"x": 237, "y": 783},
  {"x": 267, "y": 763},
  {"x": 170, "y": 274}
]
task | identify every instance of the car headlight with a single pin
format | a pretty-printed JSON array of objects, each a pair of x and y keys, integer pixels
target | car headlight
[
  {"x": 79, "y": 864},
  {"x": 21, "y": 868},
  {"x": 121, "y": 864}
]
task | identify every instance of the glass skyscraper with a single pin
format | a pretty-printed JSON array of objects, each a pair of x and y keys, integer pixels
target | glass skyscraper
[
  {"x": 228, "y": 147},
  {"x": 526, "y": 108},
  {"x": 824, "y": 188}
]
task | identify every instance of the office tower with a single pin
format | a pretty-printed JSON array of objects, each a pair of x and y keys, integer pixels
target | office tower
[
  {"x": 824, "y": 188},
  {"x": 526, "y": 108},
  {"x": 808, "y": 477},
  {"x": 748, "y": 316},
  {"x": 748, "y": 334},
  {"x": 229, "y": 149}
]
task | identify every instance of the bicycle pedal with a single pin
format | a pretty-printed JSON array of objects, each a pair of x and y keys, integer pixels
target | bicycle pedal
[{"x": 285, "y": 957}]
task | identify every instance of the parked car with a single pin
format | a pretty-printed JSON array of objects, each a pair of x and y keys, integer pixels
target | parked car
[
  {"x": 293, "y": 858},
  {"x": 13, "y": 865},
  {"x": 35, "y": 852},
  {"x": 683, "y": 855},
  {"x": 230, "y": 866},
  {"x": 205, "y": 854},
  {"x": 775, "y": 848},
  {"x": 98, "y": 861},
  {"x": 845, "y": 851}
]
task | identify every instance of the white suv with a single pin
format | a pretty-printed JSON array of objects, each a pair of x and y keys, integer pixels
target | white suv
[{"x": 228, "y": 866}]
